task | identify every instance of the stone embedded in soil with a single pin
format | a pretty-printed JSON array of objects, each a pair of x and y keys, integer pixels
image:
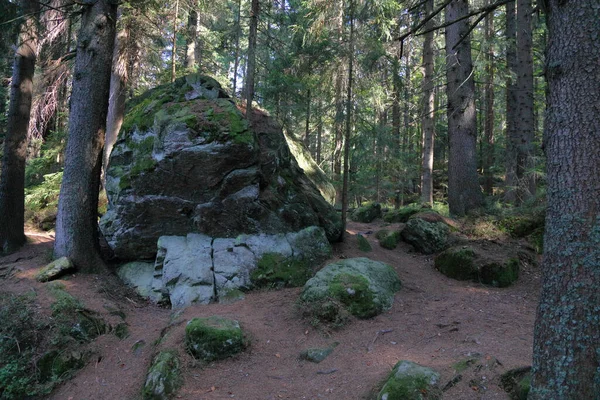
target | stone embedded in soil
[
  {"x": 214, "y": 338},
  {"x": 498, "y": 269},
  {"x": 517, "y": 382},
  {"x": 316, "y": 355},
  {"x": 363, "y": 287},
  {"x": 164, "y": 376},
  {"x": 426, "y": 237},
  {"x": 411, "y": 381},
  {"x": 55, "y": 269}
]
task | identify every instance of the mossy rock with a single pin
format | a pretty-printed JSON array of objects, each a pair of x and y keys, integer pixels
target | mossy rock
[
  {"x": 275, "y": 270},
  {"x": 390, "y": 241},
  {"x": 381, "y": 234},
  {"x": 366, "y": 213},
  {"x": 517, "y": 382},
  {"x": 400, "y": 215},
  {"x": 214, "y": 338},
  {"x": 55, "y": 269},
  {"x": 316, "y": 355},
  {"x": 164, "y": 376},
  {"x": 58, "y": 364},
  {"x": 359, "y": 286},
  {"x": 520, "y": 226},
  {"x": 411, "y": 381},
  {"x": 471, "y": 263},
  {"x": 363, "y": 243},
  {"x": 426, "y": 237}
]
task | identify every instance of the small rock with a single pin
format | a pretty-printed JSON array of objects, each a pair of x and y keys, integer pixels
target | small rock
[
  {"x": 164, "y": 376},
  {"x": 214, "y": 338},
  {"x": 55, "y": 269},
  {"x": 411, "y": 381}
]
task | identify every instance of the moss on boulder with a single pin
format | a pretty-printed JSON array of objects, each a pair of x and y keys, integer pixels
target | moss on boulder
[
  {"x": 275, "y": 270},
  {"x": 363, "y": 243},
  {"x": 426, "y": 237},
  {"x": 472, "y": 263},
  {"x": 390, "y": 241},
  {"x": 164, "y": 376},
  {"x": 411, "y": 381},
  {"x": 55, "y": 269},
  {"x": 359, "y": 286},
  {"x": 366, "y": 213},
  {"x": 214, "y": 338},
  {"x": 402, "y": 214}
]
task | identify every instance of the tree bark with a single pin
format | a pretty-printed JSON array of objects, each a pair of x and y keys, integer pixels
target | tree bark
[
  {"x": 307, "y": 121},
  {"x": 77, "y": 221},
  {"x": 488, "y": 156},
  {"x": 566, "y": 352},
  {"x": 525, "y": 123},
  {"x": 251, "y": 66},
  {"x": 428, "y": 123},
  {"x": 236, "y": 63},
  {"x": 12, "y": 181},
  {"x": 174, "y": 41},
  {"x": 348, "y": 122},
  {"x": 191, "y": 61},
  {"x": 511, "y": 180},
  {"x": 464, "y": 194}
]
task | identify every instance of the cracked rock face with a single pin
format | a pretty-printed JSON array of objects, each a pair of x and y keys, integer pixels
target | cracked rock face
[
  {"x": 187, "y": 161},
  {"x": 199, "y": 269}
]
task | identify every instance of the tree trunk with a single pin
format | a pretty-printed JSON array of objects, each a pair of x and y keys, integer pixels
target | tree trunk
[
  {"x": 118, "y": 94},
  {"x": 236, "y": 63},
  {"x": 464, "y": 194},
  {"x": 488, "y": 157},
  {"x": 77, "y": 221},
  {"x": 348, "y": 122},
  {"x": 191, "y": 61},
  {"x": 307, "y": 121},
  {"x": 427, "y": 124},
  {"x": 338, "y": 123},
  {"x": 174, "y": 40},
  {"x": 566, "y": 352},
  {"x": 511, "y": 180},
  {"x": 12, "y": 182},
  {"x": 251, "y": 67},
  {"x": 319, "y": 132},
  {"x": 525, "y": 128}
]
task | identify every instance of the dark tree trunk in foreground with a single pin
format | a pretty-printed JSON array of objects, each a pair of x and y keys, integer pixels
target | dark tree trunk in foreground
[
  {"x": 488, "y": 156},
  {"x": 12, "y": 181},
  {"x": 566, "y": 354},
  {"x": 251, "y": 66},
  {"x": 427, "y": 123},
  {"x": 464, "y": 194},
  {"x": 77, "y": 221},
  {"x": 511, "y": 180}
]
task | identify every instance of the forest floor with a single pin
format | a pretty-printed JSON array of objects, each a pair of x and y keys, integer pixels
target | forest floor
[{"x": 457, "y": 328}]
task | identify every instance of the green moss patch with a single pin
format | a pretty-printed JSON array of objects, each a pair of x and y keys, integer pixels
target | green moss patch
[
  {"x": 164, "y": 376},
  {"x": 363, "y": 243},
  {"x": 214, "y": 338},
  {"x": 390, "y": 241},
  {"x": 367, "y": 213},
  {"x": 402, "y": 214},
  {"x": 457, "y": 263},
  {"x": 275, "y": 270},
  {"x": 517, "y": 382},
  {"x": 354, "y": 292}
]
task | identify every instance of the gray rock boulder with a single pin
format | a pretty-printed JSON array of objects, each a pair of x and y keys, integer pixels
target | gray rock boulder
[
  {"x": 364, "y": 287},
  {"x": 164, "y": 377},
  {"x": 187, "y": 161},
  {"x": 426, "y": 237},
  {"x": 411, "y": 381}
]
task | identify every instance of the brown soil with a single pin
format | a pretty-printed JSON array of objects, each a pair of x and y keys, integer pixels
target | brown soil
[{"x": 435, "y": 321}]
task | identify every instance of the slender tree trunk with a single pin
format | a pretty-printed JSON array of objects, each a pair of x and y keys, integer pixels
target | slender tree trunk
[
  {"x": 511, "y": 180},
  {"x": 338, "y": 123},
  {"x": 12, "y": 181},
  {"x": 118, "y": 94},
  {"x": 307, "y": 121},
  {"x": 77, "y": 221},
  {"x": 236, "y": 63},
  {"x": 566, "y": 349},
  {"x": 464, "y": 194},
  {"x": 427, "y": 124},
  {"x": 191, "y": 62},
  {"x": 174, "y": 50},
  {"x": 319, "y": 132},
  {"x": 525, "y": 128},
  {"x": 488, "y": 157},
  {"x": 251, "y": 67},
  {"x": 345, "y": 184}
]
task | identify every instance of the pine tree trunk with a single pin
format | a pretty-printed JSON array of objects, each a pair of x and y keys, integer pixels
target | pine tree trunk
[
  {"x": 77, "y": 221},
  {"x": 251, "y": 67},
  {"x": 307, "y": 121},
  {"x": 488, "y": 157},
  {"x": 464, "y": 194},
  {"x": 191, "y": 62},
  {"x": 511, "y": 180},
  {"x": 236, "y": 63},
  {"x": 525, "y": 128},
  {"x": 345, "y": 183},
  {"x": 427, "y": 123},
  {"x": 12, "y": 181},
  {"x": 566, "y": 350},
  {"x": 319, "y": 132},
  {"x": 174, "y": 43}
]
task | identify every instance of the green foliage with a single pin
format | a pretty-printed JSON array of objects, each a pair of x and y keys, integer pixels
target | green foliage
[
  {"x": 390, "y": 241},
  {"x": 274, "y": 270},
  {"x": 363, "y": 243}
]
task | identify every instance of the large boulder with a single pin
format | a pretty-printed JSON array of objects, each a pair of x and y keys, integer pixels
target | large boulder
[
  {"x": 197, "y": 268},
  {"x": 360, "y": 286},
  {"x": 214, "y": 338},
  {"x": 187, "y": 161},
  {"x": 426, "y": 237}
]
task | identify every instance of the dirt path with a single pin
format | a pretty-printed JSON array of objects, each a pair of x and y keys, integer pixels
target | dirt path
[{"x": 435, "y": 321}]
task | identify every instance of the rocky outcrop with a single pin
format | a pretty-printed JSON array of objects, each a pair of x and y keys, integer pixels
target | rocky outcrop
[
  {"x": 187, "y": 161},
  {"x": 199, "y": 269},
  {"x": 426, "y": 237}
]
